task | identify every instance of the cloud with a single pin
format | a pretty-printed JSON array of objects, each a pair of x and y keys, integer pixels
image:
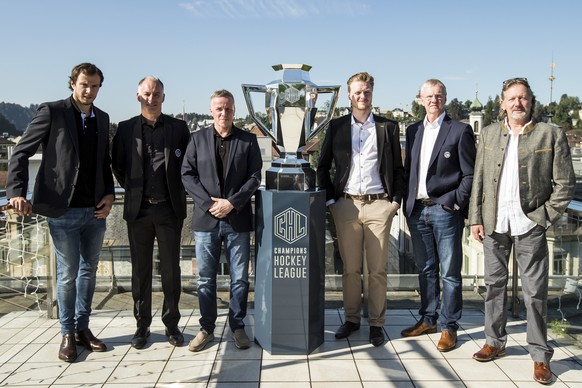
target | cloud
[{"x": 274, "y": 9}]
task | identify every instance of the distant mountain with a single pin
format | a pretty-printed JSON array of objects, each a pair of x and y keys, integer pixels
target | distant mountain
[
  {"x": 17, "y": 115},
  {"x": 7, "y": 127}
]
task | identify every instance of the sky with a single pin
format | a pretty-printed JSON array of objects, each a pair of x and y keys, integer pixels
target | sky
[{"x": 198, "y": 46}]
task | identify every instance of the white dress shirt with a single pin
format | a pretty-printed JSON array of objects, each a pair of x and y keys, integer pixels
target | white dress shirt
[
  {"x": 431, "y": 131},
  {"x": 510, "y": 216},
  {"x": 364, "y": 175}
]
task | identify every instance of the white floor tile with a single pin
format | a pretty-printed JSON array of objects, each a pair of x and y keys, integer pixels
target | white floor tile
[
  {"x": 333, "y": 370},
  {"x": 426, "y": 369}
]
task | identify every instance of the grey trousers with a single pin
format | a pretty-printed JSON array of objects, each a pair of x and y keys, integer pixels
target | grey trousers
[{"x": 533, "y": 261}]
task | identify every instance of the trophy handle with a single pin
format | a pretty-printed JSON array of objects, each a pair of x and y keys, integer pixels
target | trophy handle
[
  {"x": 247, "y": 90},
  {"x": 323, "y": 90}
]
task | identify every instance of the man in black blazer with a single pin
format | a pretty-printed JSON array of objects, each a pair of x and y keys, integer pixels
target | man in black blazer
[
  {"x": 147, "y": 156},
  {"x": 440, "y": 157},
  {"x": 363, "y": 198},
  {"x": 74, "y": 190},
  {"x": 222, "y": 171}
]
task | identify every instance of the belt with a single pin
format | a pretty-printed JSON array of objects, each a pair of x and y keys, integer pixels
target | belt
[
  {"x": 426, "y": 201},
  {"x": 153, "y": 201},
  {"x": 366, "y": 197}
]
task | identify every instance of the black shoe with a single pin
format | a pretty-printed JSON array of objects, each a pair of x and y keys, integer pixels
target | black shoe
[
  {"x": 346, "y": 329},
  {"x": 174, "y": 335},
  {"x": 88, "y": 340},
  {"x": 376, "y": 335},
  {"x": 68, "y": 348},
  {"x": 140, "y": 338}
]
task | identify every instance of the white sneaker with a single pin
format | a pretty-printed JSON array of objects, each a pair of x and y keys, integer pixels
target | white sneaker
[
  {"x": 241, "y": 340},
  {"x": 200, "y": 341}
]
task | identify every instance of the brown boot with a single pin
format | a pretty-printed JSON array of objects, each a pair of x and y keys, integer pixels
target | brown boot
[
  {"x": 419, "y": 329},
  {"x": 542, "y": 373},
  {"x": 448, "y": 341}
]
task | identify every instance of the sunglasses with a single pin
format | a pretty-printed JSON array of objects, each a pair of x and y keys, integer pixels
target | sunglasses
[{"x": 518, "y": 80}]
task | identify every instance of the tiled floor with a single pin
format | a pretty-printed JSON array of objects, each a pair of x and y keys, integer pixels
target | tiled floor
[{"x": 29, "y": 344}]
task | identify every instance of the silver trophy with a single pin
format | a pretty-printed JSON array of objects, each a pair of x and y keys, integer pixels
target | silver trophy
[{"x": 290, "y": 122}]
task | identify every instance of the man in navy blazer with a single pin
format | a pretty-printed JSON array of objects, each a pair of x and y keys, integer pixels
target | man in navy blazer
[
  {"x": 221, "y": 172},
  {"x": 439, "y": 162},
  {"x": 147, "y": 156},
  {"x": 74, "y": 190},
  {"x": 363, "y": 197}
]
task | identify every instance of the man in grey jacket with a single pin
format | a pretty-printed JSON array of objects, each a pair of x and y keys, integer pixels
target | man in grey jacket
[{"x": 522, "y": 183}]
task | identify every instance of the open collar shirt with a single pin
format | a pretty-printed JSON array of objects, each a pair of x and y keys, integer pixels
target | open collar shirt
[
  {"x": 431, "y": 131},
  {"x": 364, "y": 175},
  {"x": 510, "y": 216}
]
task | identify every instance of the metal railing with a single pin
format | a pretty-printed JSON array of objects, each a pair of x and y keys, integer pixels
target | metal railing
[{"x": 27, "y": 261}]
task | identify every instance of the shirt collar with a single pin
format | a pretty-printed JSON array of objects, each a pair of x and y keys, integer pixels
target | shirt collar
[
  {"x": 369, "y": 120},
  {"x": 80, "y": 111},
  {"x": 526, "y": 128},
  {"x": 435, "y": 124},
  {"x": 159, "y": 121}
]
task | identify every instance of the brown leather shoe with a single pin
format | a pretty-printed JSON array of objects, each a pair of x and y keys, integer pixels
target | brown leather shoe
[
  {"x": 68, "y": 349},
  {"x": 542, "y": 373},
  {"x": 448, "y": 341},
  {"x": 419, "y": 329},
  {"x": 488, "y": 353},
  {"x": 88, "y": 340}
]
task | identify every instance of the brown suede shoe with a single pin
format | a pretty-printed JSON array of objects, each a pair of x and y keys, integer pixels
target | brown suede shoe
[
  {"x": 88, "y": 340},
  {"x": 68, "y": 348},
  {"x": 419, "y": 329},
  {"x": 542, "y": 373},
  {"x": 488, "y": 353},
  {"x": 448, "y": 341}
]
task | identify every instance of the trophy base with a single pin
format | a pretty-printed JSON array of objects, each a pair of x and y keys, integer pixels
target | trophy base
[{"x": 290, "y": 179}]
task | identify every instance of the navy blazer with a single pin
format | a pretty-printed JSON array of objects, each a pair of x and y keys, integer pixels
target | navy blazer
[
  {"x": 55, "y": 128},
  {"x": 450, "y": 170},
  {"x": 337, "y": 148},
  {"x": 243, "y": 177},
  {"x": 127, "y": 154}
]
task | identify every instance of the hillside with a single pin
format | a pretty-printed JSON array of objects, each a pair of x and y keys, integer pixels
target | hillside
[{"x": 16, "y": 115}]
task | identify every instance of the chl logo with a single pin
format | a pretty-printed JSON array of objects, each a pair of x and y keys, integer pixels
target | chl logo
[
  {"x": 290, "y": 225},
  {"x": 290, "y": 94}
]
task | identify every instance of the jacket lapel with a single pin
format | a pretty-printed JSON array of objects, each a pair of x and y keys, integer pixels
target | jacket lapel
[
  {"x": 137, "y": 135},
  {"x": 415, "y": 152},
  {"x": 71, "y": 124},
  {"x": 440, "y": 140},
  {"x": 234, "y": 144},
  {"x": 381, "y": 138},
  {"x": 167, "y": 143}
]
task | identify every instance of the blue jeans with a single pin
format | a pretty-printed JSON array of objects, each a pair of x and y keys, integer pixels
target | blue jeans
[
  {"x": 78, "y": 237},
  {"x": 237, "y": 249},
  {"x": 437, "y": 244}
]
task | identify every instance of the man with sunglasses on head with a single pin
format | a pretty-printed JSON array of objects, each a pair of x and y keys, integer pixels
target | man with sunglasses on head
[{"x": 523, "y": 182}]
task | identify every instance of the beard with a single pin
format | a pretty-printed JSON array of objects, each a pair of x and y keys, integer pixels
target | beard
[{"x": 522, "y": 116}]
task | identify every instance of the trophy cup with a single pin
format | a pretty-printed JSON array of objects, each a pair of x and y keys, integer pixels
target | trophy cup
[
  {"x": 290, "y": 123},
  {"x": 290, "y": 217}
]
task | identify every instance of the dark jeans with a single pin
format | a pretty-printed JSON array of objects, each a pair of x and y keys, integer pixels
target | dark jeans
[
  {"x": 78, "y": 237},
  {"x": 208, "y": 247},
  {"x": 437, "y": 244}
]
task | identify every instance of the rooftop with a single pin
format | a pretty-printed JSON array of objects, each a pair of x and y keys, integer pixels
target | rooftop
[{"x": 29, "y": 345}]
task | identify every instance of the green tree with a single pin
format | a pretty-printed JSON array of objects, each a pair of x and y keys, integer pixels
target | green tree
[
  {"x": 417, "y": 110},
  {"x": 456, "y": 110},
  {"x": 491, "y": 111},
  {"x": 562, "y": 113}
]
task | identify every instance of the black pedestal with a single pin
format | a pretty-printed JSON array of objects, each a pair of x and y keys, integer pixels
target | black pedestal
[{"x": 290, "y": 271}]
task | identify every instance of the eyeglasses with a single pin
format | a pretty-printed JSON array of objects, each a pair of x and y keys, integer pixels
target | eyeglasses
[
  {"x": 434, "y": 96},
  {"x": 518, "y": 80}
]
